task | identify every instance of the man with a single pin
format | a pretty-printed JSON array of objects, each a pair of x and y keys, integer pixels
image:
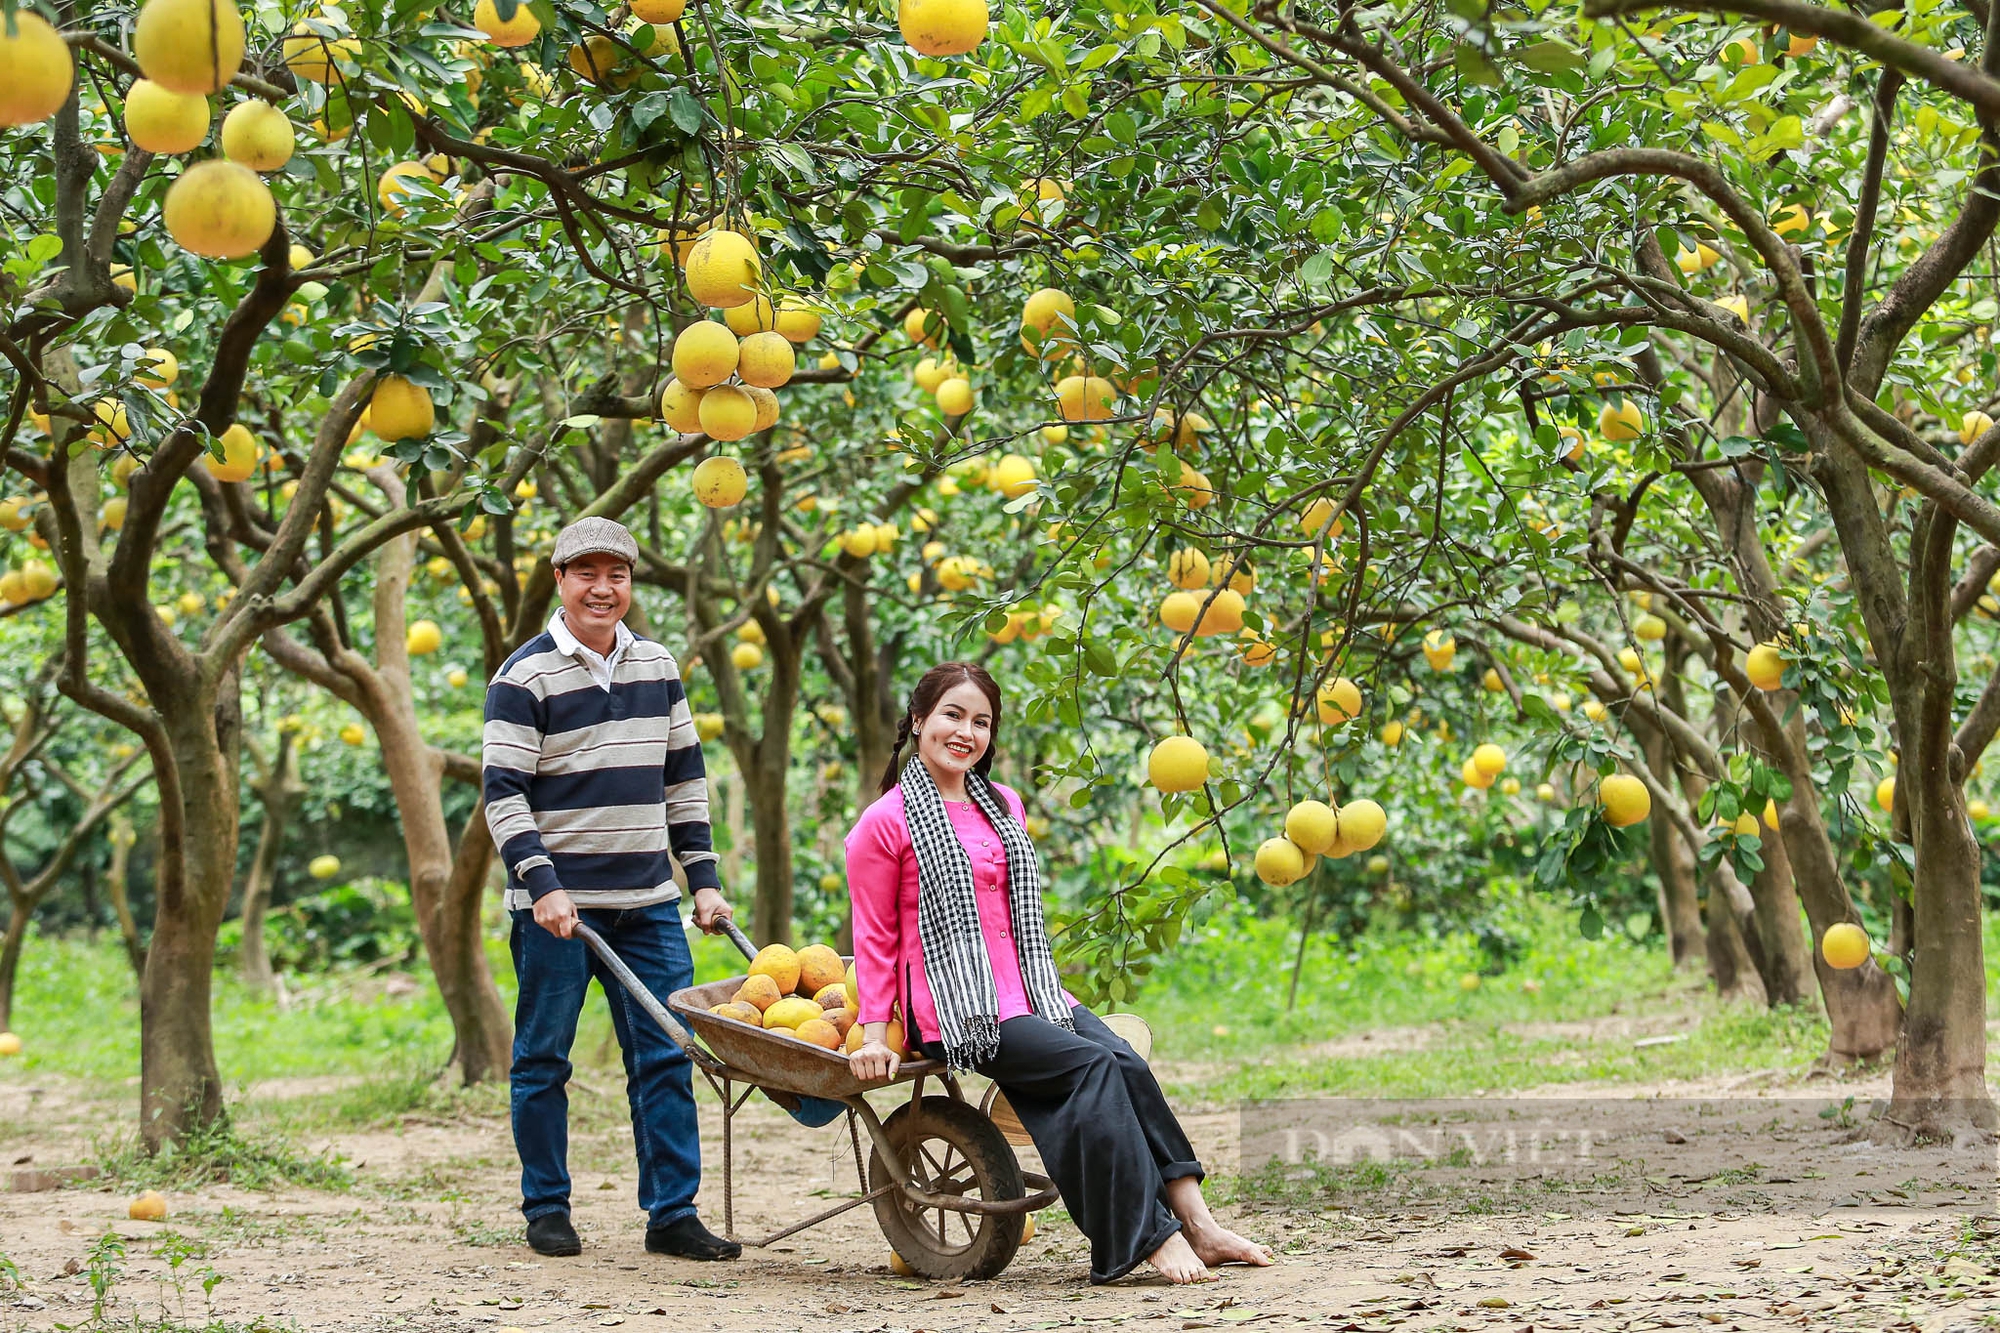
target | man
[{"x": 593, "y": 775}]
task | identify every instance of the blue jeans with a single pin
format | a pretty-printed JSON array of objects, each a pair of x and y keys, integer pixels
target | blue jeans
[{"x": 659, "y": 1079}]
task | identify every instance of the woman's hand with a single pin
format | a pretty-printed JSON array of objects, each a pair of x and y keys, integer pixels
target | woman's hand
[{"x": 874, "y": 1060}]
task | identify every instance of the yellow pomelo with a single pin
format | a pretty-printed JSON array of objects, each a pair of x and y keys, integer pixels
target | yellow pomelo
[
  {"x": 1049, "y": 316},
  {"x": 923, "y": 326},
  {"x": 859, "y": 542},
  {"x": 1178, "y": 763},
  {"x": 423, "y": 638},
  {"x": 38, "y": 580},
  {"x": 1179, "y": 611},
  {"x": 1086, "y": 398},
  {"x": 1698, "y": 260},
  {"x": 1280, "y": 861},
  {"x": 456, "y": 677},
  {"x": 150, "y": 1206},
  {"x": 1491, "y": 682},
  {"x": 954, "y": 396},
  {"x": 599, "y": 60},
  {"x": 1223, "y": 614},
  {"x": 722, "y": 270},
  {"x": 36, "y": 70},
  {"x": 219, "y": 209},
  {"x": 323, "y": 867},
  {"x": 1312, "y": 825},
  {"x": 1649, "y": 628},
  {"x": 1014, "y": 476},
  {"x": 1974, "y": 425},
  {"x": 1625, "y": 800},
  {"x": 1620, "y": 423},
  {"x": 781, "y": 965},
  {"x": 727, "y": 413},
  {"x": 160, "y": 120},
  {"x": 1392, "y": 733},
  {"x": 819, "y": 968},
  {"x": 259, "y": 136},
  {"x": 766, "y": 403},
  {"x": 394, "y": 188},
  {"x": 1362, "y": 824},
  {"x": 1439, "y": 649},
  {"x": 400, "y": 410},
  {"x": 239, "y": 455},
  {"x": 1256, "y": 650},
  {"x": 1339, "y": 702},
  {"x": 165, "y": 368},
  {"x": 189, "y": 46},
  {"x": 112, "y": 514},
  {"x": 1844, "y": 946},
  {"x": 1469, "y": 774},
  {"x": 753, "y": 316},
  {"x": 766, "y": 360},
  {"x": 680, "y": 407},
  {"x": 1885, "y": 795},
  {"x": 523, "y": 28},
  {"x": 658, "y": 11},
  {"x": 720, "y": 482},
  {"x": 1187, "y": 568},
  {"x": 310, "y": 56},
  {"x": 790, "y": 1012},
  {"x": 705, "y": 354},
  {"x": 942, "y": 27},
  {"x": 1792, "y": 219},
  {"x": 798, "y": 323},
  {"x": 1765, "y": 666},
  {"x": 1490, "y": 759},
  {"x": 10, "y": 1044},
  {"x": 13, "y": 588}
]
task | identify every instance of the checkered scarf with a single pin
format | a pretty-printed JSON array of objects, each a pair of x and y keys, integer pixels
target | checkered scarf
[{"x": 955, "y": 961}]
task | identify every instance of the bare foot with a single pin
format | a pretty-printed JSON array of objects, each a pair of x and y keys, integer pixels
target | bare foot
[
  {"x": 1177, "y": 1262},
  {"x": 1213, "y": 1243}
]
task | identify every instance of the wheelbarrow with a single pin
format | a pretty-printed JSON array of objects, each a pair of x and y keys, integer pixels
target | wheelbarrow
[{"x": 947, "y": 1190}]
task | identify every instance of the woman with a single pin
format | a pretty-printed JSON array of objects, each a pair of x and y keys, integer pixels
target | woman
[{"x": 948, "y": 926}]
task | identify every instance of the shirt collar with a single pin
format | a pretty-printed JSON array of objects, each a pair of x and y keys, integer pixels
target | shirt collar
[{"x": 571, "y": 646}]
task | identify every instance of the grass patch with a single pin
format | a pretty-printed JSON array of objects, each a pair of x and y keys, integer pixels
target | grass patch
[{"x": 220, "y": 1154}]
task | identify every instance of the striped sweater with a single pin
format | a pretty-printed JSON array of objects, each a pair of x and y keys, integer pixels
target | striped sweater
[{"x": 588, "y": 789}]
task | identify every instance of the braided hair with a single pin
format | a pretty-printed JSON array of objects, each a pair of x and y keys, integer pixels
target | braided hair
[{"x": 930, "y": 688}]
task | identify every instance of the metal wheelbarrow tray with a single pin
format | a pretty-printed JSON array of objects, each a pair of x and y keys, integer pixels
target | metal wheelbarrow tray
[{"x": 947, "y": 1190}]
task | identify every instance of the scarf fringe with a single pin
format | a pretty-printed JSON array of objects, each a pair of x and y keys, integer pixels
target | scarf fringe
[{"x": 978, "y": 1040}]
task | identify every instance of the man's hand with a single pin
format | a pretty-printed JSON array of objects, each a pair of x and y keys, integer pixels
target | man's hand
[
  {"x": 556, "y": 913},
  {"x": 710, "y": 911}
]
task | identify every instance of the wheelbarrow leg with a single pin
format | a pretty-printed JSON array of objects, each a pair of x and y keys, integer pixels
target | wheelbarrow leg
[{"x": 728, "y": 1165}]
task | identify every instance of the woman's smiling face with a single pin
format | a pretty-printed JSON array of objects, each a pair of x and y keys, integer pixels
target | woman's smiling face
[{"x": 956, "y": 733}]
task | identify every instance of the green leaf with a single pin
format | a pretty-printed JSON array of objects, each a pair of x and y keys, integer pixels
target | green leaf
[
  {"x": 1551, "y": 56},
  {"x": 685, "y": 111},
  {"x": 1590, "y": 925}
]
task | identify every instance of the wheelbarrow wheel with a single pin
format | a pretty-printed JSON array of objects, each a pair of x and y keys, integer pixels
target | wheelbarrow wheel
[{"x": 951, "y": 1148}]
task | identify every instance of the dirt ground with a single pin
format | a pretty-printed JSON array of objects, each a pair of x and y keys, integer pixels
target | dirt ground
[{"x": 1739, "y": 1205}]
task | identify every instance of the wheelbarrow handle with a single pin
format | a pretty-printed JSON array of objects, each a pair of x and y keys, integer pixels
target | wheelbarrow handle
[
  {"x": 647, "y": 1000},
  {"x": 741, "y": 940}
]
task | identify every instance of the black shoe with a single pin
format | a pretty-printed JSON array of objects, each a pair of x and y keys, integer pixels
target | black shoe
[
  {"x": 551, "y": 1234},
  {"x": 689, "y": 1239}
]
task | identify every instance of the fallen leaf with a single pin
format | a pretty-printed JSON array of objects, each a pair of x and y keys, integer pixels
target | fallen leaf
[
  {"x": 946, "y": 1293},
  {"x": 996, "y": 1308},
  {"x": 1495, "y": 1303},
  {"x": 1674, "y": 1136},
  {"x": 1514, "y": 1254},
  {"x": 833, "y": 1307},
  {"x": 611, "y": 1320}
]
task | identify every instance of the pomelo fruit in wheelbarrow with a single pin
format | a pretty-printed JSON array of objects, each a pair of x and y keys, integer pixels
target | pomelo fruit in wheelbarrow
[
  {"x": 831, "y": 997},
  {"x": 842, "y": 1020},
  {"x": 790, "y": 1012},
  {"x": 819, "y": 1032},
  {"x": 892, "y": 1038},
  {"x": 819, "y": 967},
  {"x": 759, "y": 990},
  {"x": 780, "y": 964},
  {"x": 740, "y": 1010},
  {"x": 853, "y": 988}
]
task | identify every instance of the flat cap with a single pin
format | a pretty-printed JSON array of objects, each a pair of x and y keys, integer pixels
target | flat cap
[{"x": 594, "y": 536}]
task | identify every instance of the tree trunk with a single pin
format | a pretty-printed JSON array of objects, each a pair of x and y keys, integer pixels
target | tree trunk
[
  {"x": 1729, "y": 961},
  {"x": 117, "y": 888},
  {"x": 19, "y": 917},
  {"x": 277, "y": 794},
  {"x": 1787, "y": 965},
  {"x": 771, "y": 833},
  {"x": 180, "y": 1088},
  {"x": 1680, "y": 908},
  {"x": 447, "y": 912}
]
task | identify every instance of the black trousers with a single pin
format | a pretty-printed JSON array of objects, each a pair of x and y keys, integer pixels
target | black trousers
[{"x": 1104, "y": 1131}]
